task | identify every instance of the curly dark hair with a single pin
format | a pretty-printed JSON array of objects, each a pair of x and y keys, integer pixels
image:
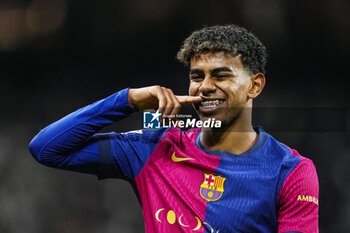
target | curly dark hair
[{"x": 232, "y": 39}]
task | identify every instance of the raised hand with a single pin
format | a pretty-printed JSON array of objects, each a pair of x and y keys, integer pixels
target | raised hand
[{"x": 159, "y": 98}]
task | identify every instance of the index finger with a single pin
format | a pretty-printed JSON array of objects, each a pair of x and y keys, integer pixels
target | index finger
[{"x": 186, "y": 99}]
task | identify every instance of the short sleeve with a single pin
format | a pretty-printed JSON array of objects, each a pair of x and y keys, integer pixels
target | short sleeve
[
  {"x": 298, "y": 200},
  {"x": 123, "y": 155}
]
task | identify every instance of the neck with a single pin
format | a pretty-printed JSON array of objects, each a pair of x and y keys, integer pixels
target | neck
[{"x": 235, "y": 137}]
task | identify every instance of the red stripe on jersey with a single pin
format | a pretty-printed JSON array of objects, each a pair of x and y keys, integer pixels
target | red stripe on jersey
[{"x": 298, "y": 199}]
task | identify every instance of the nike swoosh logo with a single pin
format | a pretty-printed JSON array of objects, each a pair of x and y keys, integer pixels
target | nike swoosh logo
[{"x": 176, "y": 159}]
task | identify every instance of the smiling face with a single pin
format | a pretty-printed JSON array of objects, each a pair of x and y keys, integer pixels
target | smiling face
[{"x": 225, "y": 85}]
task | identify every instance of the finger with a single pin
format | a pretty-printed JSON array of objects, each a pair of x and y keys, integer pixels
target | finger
[
  {"x": 161, "y": 98},
  {"x": 186, "y": 99},
  {"x": 169, "y": 104},
  {"x": 177, "y": 105}
]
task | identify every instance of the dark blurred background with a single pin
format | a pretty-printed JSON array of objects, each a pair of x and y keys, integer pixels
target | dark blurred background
[{"x": 59, "y": 55}]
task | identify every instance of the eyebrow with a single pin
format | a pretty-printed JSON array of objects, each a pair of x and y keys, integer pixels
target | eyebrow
[
  {"x": 221, "y": 69},
  {"x": 196, "y": 71},
  {"x": 213, "y": 71}
]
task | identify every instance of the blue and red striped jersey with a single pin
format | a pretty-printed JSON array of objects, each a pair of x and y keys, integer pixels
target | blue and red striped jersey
[{"x": 182, "y": 186}]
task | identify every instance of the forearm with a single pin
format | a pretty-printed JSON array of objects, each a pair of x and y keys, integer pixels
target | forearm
[{"x": 65, "y": 136}]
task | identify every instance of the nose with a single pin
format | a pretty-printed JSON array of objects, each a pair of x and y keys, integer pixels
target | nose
[{"x": 207, "y": 86}]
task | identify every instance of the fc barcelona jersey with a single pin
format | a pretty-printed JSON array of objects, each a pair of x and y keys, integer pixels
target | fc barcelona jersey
[{"x": 182, "y": 186}]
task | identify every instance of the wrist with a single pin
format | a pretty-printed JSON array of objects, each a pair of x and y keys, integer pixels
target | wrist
[{"x": 130, "y": 98}]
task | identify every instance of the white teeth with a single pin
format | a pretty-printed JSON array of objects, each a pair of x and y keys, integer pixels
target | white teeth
[{"x": 211, "y": 103}]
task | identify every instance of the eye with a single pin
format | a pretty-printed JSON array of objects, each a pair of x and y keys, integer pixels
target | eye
[
  {"x": 223, "y": 76},
  {"x": 196, "y": 78}
]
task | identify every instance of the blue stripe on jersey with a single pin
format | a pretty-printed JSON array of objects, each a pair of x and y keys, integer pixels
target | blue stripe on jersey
[
  {"x": 249, "y": 201},
  {"x": 290, "y": 161}
]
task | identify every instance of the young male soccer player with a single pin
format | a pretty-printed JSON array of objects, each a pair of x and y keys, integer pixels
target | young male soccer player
[{"x": 233, "y": 179}]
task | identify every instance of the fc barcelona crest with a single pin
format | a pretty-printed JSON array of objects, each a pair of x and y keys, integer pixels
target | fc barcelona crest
[{"x": 212, "y": 187}]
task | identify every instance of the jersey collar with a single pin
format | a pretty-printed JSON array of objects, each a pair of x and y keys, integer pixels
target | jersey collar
[{"x": 262, "y": 137}]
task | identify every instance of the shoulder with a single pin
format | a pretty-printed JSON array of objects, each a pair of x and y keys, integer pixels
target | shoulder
[
  {"x": 278, "y": 153},
  {"x": 294, "y": 163},
  {"x": 288, "y": 157},
  {"x": 288, "y": 161},
  {"x": 303, "y": 177}
]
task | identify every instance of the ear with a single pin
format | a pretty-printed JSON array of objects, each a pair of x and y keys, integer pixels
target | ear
[{"x": 257, "y": 84}]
